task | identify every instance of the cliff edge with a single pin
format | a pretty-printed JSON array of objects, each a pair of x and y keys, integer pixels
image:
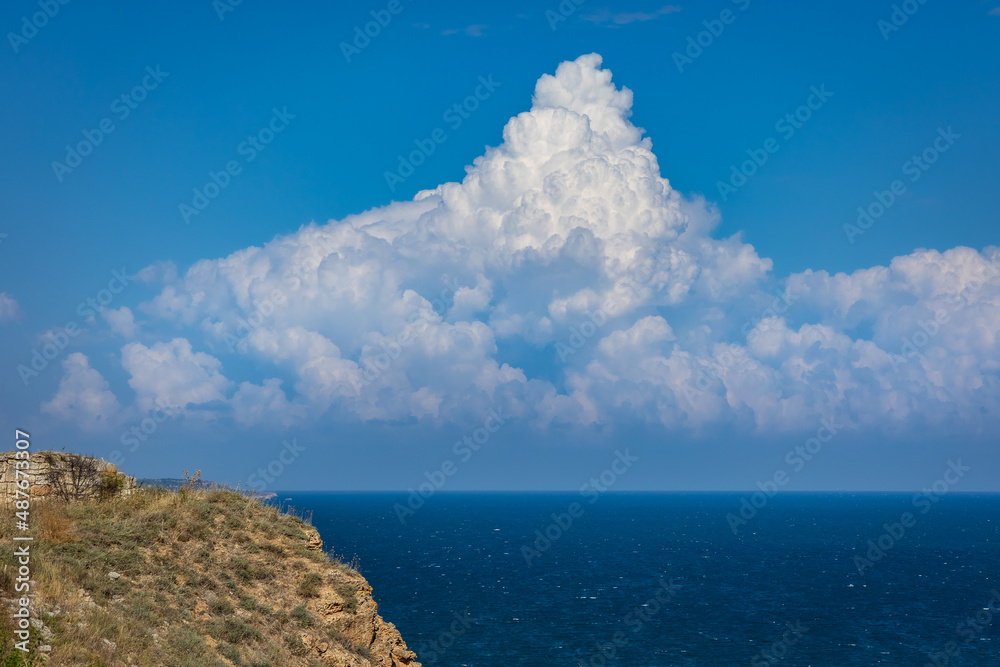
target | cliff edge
[{"x": 148, "y": 576}]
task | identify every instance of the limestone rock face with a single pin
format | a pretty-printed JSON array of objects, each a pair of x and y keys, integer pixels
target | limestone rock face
[
  {"x": 43, "y": 465},
  {"x": 357, "y": 618}
]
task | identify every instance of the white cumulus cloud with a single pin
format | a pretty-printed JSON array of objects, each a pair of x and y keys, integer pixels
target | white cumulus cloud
[
  {"x": 172, "y": 375},
  {"x": 121, "y": 321},
  {"x": 565, "y": 243},
  {"x": 84, "y": 397}
]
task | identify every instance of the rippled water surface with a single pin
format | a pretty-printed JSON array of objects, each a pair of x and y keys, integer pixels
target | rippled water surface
[{"x": 661, "y": 579}]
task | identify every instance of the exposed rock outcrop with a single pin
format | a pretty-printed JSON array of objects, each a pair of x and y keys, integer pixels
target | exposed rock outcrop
[{"x": 345, "y": 602}]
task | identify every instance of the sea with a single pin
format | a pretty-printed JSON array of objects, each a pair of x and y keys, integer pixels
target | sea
[{"x": 671, "y": 579}]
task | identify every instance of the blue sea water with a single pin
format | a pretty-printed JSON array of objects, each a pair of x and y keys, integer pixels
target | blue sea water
[{"x": 648, "y": 580}]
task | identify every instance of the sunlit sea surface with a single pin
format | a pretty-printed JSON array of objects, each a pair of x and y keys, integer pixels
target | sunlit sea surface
[{"x": 661, "y": 579}]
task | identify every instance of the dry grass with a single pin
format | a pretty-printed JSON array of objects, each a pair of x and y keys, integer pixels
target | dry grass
[
  {"x": 209, "y": 577},
  {"x": 53, "y": 522}
]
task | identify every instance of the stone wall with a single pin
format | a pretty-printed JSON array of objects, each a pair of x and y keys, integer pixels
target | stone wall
[{"x": 40, "y": 467}]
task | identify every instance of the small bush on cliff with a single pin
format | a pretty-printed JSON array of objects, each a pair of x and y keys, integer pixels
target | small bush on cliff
[
  {"x": 295, "y": 645},
  {"x": 232, "y": 654},
  {"x": 350, "y": 598},
  {"x": 234, "y": 631},
  {"x": 112, "y": 483},
  {"x": 309, "y": 587},
  {"x": 223, "y": 607},
  {"x": 302, "y": 615}
]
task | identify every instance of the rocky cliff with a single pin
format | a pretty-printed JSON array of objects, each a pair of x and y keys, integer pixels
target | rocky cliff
[{"x": 190, "y": 577}]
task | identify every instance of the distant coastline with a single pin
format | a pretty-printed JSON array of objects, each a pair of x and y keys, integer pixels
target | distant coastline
[{"x": 176, "y": 483}]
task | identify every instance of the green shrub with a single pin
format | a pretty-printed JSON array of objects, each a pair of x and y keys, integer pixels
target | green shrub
[
  {"x": 111, "y": 483},
  {"x": 309, "y": 586},
  {"x": 295, "y": 645},
  {"x": 350, "y": 598},
  {"x": 220, "y": 606},
  {"x": 244, "y": 571},
  {"x": 234, "y": 631},
  {"x": 301, "y": 614},
  {"x": 231, "y": 653}
]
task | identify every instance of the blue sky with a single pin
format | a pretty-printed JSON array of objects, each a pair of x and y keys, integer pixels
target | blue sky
[{"x": 888, "y": 96}]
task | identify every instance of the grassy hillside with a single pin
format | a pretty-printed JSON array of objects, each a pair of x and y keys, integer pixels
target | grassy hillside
[{"x": 207, "y": 577}]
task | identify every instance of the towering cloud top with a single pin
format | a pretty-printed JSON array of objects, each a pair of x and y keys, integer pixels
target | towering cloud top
[
  {"x": 564, "y": 280},
  {"x": 584, "y": 88}
]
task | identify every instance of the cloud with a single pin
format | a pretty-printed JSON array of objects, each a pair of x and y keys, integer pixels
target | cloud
[
  {"x": 624, "y": 18},
  {"x": 474, "y": 30},
  {"x": 565, "y": 280},
  {"x": 9, "y": 308},
  {"x": 121, "y": 321},
  {"x": 995, "y": 11},
  {"x": 158, "y": 272},
  {"x": 172, "y": 376},
  {"x": 264, "y": 404},
  {"x": 83, "y": 397}
]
